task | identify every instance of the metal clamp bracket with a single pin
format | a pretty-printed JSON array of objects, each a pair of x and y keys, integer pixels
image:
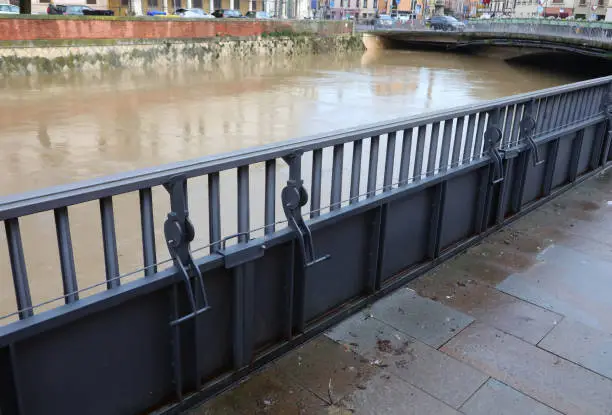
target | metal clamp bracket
[
  {"x": 293, "y": 197},
  {"x": 238, "y": 255},
  {"x": 528, "y": 125},
  {"x": 179, "y": 232},
  {"x": 493, "y": 136}
]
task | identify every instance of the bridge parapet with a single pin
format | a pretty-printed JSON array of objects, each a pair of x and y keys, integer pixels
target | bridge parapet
[
  {"x": 384, "y": 203},
  {"x": 579, "y": 37}
]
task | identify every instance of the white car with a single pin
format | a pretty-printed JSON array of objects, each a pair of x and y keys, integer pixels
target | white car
[
  {"x": 8, "y": 9},
  {"x": 194, "y": 14}
]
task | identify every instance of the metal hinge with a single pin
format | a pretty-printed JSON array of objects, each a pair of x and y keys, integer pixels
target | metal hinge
[
  {"x": 179, "y": 232},
  {"x": 293, "y": 197},
  {"x": 493, "y": 136},
  {"x": 528, "y": 125}
]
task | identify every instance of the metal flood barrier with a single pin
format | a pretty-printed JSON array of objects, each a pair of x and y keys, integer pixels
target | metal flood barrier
[{"x": 403, "y": 197}]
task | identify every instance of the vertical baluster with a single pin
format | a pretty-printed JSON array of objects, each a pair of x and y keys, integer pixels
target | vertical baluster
[
  {"x": 590, "y": 100},
  {"x": 315, "y": 187},
  {"x": 243, "y": 204},
  {"x": 433, "y": 149},
  {"x": 214, "y": 212},
  {"x": 373, "y": 166},
  {"x": 507, "y": 125},
  {"x": 109, "y": 239},
  {"x": 336, "y": 187},
  {"x": 356, "y": 171},
  {"x": 270, "y": 203},
  {"x": 516, "y": 124},
  {"x": 18, "y": 268},
  {"x": 478, "y": 145},
  {"x": 64, "y": 243},
  {"x": 595, "y": 107},
  {"x": 469, "y": 138},
  {"x": 389, "y": 161},
  {"x": 585, "y": 104},
  {"x": 579, "y": 103},
  {"x": 420, "y": 149},
  {"x": 567, "y": 106},
  {"x": 552, "y": 113},
  {"x": 405, "y": 159},
  {"x": 457, "y": 142},
  {"x": 541, "y": 118},
  {"x": 557, "y": 118},
  {"x": 147, "y": 227},
  {"x": 571, "y": 107},
  {"x": 446, "y": 143}
]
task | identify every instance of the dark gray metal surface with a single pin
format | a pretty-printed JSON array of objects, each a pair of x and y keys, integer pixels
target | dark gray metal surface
[{"x": 163, "y": 342}]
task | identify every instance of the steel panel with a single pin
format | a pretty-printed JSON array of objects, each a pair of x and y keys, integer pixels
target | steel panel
[
  {"x": 587, "y": 149},
  {"x": 564, "y": 154},
  {"x": 459, "y": 213},
  {"x": 121, "y": 355},
  {"x": 214, "y": 328},
  {"x": 343, "y": 276},
  {"x": 272, "y": 294},
  {"x": 406, "y": 233},
  {"x": 535, "y": 176}
]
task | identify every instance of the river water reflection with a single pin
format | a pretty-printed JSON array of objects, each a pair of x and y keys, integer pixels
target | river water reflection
[{"x": 59, "y": 129}]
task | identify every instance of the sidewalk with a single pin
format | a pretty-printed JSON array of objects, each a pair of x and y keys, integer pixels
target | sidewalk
[{"x": 520, "y": 324}]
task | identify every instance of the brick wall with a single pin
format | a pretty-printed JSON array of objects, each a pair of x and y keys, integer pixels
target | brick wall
[{"x": 36, "y": 28}]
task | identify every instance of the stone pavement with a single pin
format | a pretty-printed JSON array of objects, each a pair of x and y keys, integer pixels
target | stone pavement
[{"x": 520, "y": 324}]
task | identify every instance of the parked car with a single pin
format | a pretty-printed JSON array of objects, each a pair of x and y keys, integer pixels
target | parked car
[
  {"x": 194, "y": 13},
  {"x": 404, "y": 17},
  {"x": 446, "y": 23},
  {"x": 257, "y": 15},
  {"x": 227, "y": 14},
  {"x": 8, "y": 9},
  {"x": 384, "y": 20},
  {"x": 76, "y": 10}
]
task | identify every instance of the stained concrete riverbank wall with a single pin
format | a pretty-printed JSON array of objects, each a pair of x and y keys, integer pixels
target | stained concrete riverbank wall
[{"x": 52, "y": 45}]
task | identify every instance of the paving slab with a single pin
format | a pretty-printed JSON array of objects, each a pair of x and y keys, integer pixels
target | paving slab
[
  {"x": 554, "y": 381},
  {"x": 568, "y": 282},
  {"x": 465, "y": 293},
  {"x": 386, "y": 394},
  {"x": 428, "y": 369},
  {"x": 326, "y": 367},
  {"x": 581, "y": 344},
  {"x": 497, "y": 398},
  {"x": 269, "y": 392},
  {"x": 425, "y": 320}
]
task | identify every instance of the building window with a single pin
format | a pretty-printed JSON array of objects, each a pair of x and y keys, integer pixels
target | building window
[
  {"x": 196, "y": 3},
  {"x": 91, "y": 1},
  {"x": 375, "y": 4},
  {"x": 217, "y": 4},
  {"x": 357, "y": 5},
  {"x": 237, "y": 4},
  {"x": 152, "y": 3},
  {"x": 253, "y": 5},
  {"x": 365, "y": 4},
  {"x": 125, "y": 3},
  {"x": 600, "y": 3}
]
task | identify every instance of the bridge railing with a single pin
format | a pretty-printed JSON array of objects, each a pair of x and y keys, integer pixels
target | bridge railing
[
  {"x": 386, "y": 202},
  {"x": 565, "y": 29},
  {"x": 569, "y": 29}
]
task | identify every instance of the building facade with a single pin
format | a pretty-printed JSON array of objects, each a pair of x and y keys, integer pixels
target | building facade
[{"x": 592, "y": 9}]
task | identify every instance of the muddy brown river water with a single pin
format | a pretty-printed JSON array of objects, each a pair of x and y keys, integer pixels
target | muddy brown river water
[{"x": 64, "y": 128}]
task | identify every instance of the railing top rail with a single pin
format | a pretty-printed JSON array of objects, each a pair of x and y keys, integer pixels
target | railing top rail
[{"x": 69, "y": 194}]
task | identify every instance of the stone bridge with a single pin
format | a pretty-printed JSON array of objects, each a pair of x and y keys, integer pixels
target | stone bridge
[{"x": 506, "y": 39}]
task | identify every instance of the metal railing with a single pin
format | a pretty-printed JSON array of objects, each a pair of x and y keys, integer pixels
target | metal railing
[
  {"x": 353, "y": 179},
  {"x": 565, "y": 29}
]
